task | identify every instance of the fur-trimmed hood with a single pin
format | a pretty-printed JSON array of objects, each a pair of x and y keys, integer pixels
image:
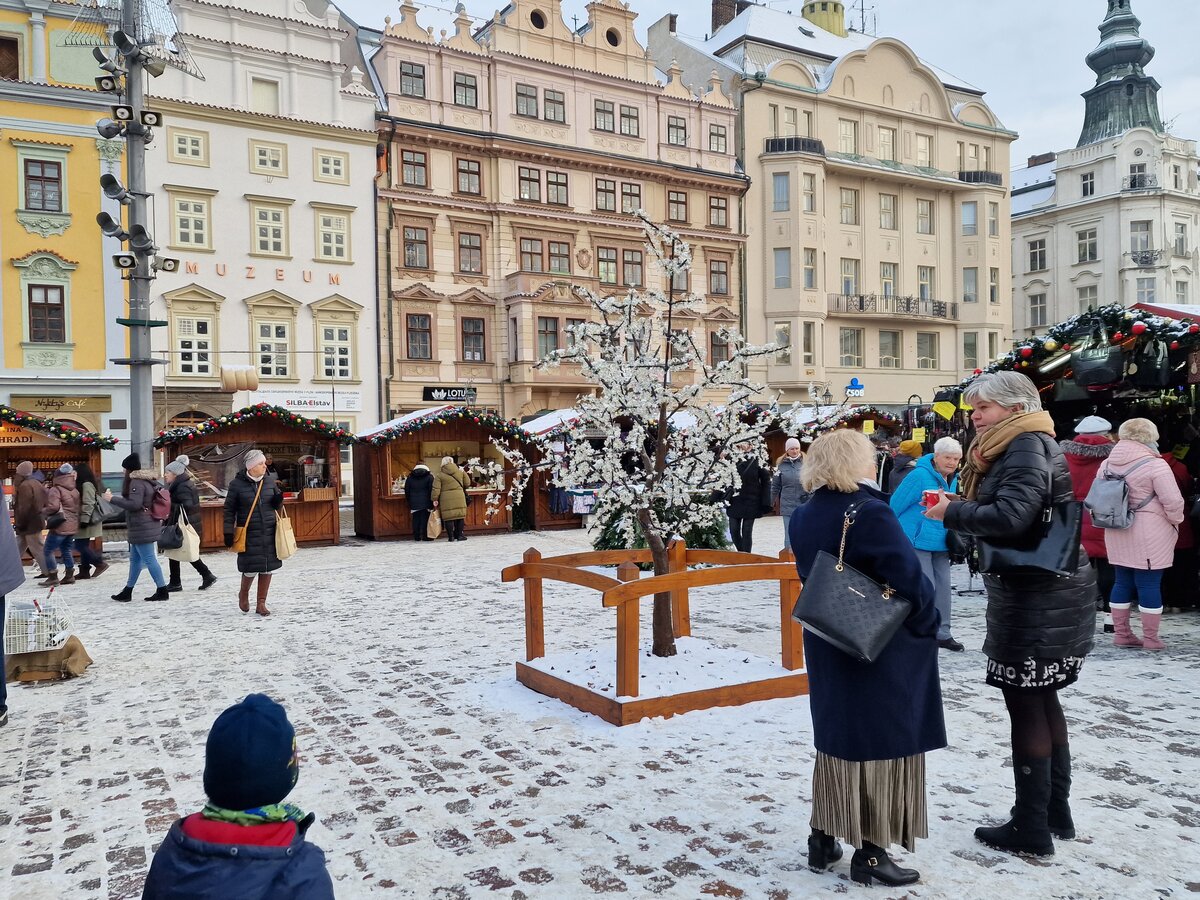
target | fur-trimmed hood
[
  {"x": 1088, "y": 446},
  {"x": 144, "y": 474}
]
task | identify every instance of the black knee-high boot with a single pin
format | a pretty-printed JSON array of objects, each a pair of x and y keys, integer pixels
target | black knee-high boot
[{"x": 1027, "y": 832}]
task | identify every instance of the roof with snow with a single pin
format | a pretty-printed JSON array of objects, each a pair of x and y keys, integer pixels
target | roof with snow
[{"x": 1033, "y": 187}]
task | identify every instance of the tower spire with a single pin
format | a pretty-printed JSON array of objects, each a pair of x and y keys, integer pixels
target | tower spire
[{"x": 1124, "y": 96}]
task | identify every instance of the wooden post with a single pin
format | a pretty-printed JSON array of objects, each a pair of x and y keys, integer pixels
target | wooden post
[
  {"x": 535, "y": 628},
  {"x": 792, "y": 633},
  {"x": 681, "y": 614},
  {"x": 627, "y": 636}
]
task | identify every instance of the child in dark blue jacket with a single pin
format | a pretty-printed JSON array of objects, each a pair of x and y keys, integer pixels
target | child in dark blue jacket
[{"x": 246, "y": 843}]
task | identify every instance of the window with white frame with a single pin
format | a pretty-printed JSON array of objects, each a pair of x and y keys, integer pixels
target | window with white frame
[
  {"x": 1037, "y": 310},
  {"x": 1179, "y": 246},
  {"x": 808, "y": 343},
  {"x": 926, "y": 283},
  {"x": 808, "y": 193},
  {"x": 1086, "y": 246},
  {"x": 1181, "y": 292},
  {"x": 264, "y": 96},
  {"x": 268, "y": 159},
  {"x": 193, "y": 345},
  {"x": 1037, "y": 255},
  {"x": 1087, "y": 184},
  {"x": 781, "y": 187},
  {"x": 274, "y": 348},
  {"x": 188, "y": 147},
  {"x": 850, "y": 273},
  {"x": 888, "y": 273},
  {"x": 849, "y": 206},
  {"x": 270, "y": 229},
  {"x": 993, "y": 285},
  {"x": 333, "y": 236},
  {"x": 993, "y": 219},
  {"x": 783, "y": 338},
  {"x": 850, "y": 345},
  {"x": 47, "y": 314},
  {"x": 970, "y": 350},
  {"x": 810, "y": 268},
  {"x": 331, "y": 166},
  {"x": 925, "y": 151},
  {"x": 887, "y": 211},
  {"x": 337, "y": 352},
  {"x": 993, "y": 345},
  {"x": 1145, "y": 289},
  {"x": 1087, "y": 297},
  {"x": 887, "y": 144},
  {"x": 927, "y": 350},
  {"x": 924, "y": 216},
  {"x": 190, "y": 222},
  {"x": 1139, "y": 236},
  {"x": 970, "y": 218},
  {"x": 970, "y": 284},
  {"x": 783, "y": 267},
  {"x": 891, "y": 354},
  {"x": 847, "y": 136}
]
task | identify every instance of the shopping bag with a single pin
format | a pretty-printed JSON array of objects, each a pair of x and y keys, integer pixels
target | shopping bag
[
  {"x": 188, "y": 550},
  {"x": 285, "y": 537},
  {"x": 434, "y": 529}
]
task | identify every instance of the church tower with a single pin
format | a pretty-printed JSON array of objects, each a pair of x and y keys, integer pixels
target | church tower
[{"x": 1124, "y": 96}]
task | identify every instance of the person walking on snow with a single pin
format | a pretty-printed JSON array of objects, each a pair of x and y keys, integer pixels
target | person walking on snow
[
  {"x": 29, "y": 499},
  {"x": 91, "y": 523},
  {"x": 141, "y": 528},
  {"x": 62, "y": 507},
  {"x": 186, "y": 499},
  {"x": 1085, "y": 455},
  {"x": 253, "y": 502}
]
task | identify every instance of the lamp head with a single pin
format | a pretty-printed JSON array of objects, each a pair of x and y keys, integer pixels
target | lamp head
[{"x": 109, "y": 129}]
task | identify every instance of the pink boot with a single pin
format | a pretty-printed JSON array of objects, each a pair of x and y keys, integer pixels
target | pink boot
[
  {"x": 1150, "y": 623},
  {"x": 1124, "y": 634}
]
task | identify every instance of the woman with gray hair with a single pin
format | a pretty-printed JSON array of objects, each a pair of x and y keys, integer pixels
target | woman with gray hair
[
  {"x": 786, "y": 489},
  {"x": 252, "y": 502},
  {"x": 1039, "y": 625}
]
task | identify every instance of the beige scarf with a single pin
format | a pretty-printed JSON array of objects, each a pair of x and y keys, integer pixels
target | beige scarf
[{"x": 990, "y": 446}]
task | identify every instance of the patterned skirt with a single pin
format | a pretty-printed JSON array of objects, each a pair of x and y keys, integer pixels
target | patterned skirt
[
  {"x": 881, "y": 801},
  {"x": 1034, "y": 674}
]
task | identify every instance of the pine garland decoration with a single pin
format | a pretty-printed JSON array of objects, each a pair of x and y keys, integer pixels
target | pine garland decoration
[
  {"x": 248, "y": 413},
  {"x": 57, "y": 430},
  {"x": 504, "y": 427}
]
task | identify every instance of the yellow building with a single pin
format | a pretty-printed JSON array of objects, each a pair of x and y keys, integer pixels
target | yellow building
[{"x": 60, "y": 296}]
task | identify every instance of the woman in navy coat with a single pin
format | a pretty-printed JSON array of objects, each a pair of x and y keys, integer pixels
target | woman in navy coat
[{"x": 872, "y": 722}]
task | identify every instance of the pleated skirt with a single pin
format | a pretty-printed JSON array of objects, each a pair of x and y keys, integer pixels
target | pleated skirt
[{"x": 881, "y": 801}]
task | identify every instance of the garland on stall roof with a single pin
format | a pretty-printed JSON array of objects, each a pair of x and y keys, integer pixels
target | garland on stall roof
[
  {"x": 56, "y": 429},
  {"x": 505, "y": 427},
  {"x": 257, "y": 411},
  {"x": 848, "y": 418}
]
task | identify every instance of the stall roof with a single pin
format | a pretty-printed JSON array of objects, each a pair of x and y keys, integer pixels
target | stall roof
[
  {"x": 405, "y": 419},
  {"x": 551, "y": 421},
  {"x": 1174, "y": 311}
]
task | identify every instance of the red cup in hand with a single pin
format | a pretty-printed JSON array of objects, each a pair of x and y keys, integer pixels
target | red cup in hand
[{"x": 929, "y": 498}]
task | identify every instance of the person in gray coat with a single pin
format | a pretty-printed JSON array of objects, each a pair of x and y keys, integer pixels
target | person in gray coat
[
  {"x": 141, "y": 529},
  {"x": 12, "y": 576},
  {"x": 786, "y": 489}
]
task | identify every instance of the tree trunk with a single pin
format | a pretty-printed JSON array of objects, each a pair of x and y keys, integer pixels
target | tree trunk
[{"x": 664, "y": 628}]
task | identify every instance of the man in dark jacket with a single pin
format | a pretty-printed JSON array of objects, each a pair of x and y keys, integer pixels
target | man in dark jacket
[
  {"x": 29, "y": 499},
  {"x": 903, "y": 463},
  {"x": 247, "y": 843},
  {"x": 418, "y": 491},
  {"x": 12, "y": 576},
  {"x": 749, "y": 500}
]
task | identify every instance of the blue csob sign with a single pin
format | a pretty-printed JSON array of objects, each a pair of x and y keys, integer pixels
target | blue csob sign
[{"x": 856, "y": 388}]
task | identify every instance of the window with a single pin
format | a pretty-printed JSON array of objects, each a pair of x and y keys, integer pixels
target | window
[
  {"x": 556, "y": 106},
  {"x": 527, "y": 100},
  {"x": 850, "y": 276},
  {"x": 1145, "y": 290},
  {"x": 1037, "y": 310},
  {"x": 333, "y": 236},
  {"x": 970, "y": 358},
  {"x": 270, "y": 229},
  {"x": 420, "y": 335},
  {"x": 470, "y": 253},
  {"x": 849, "y": 206},
  {"x": 677, "y": 131},
  {"x": 808, "y": 183},
  {"x": 1086, "y": 247},
  {"x": 466, "y": 91},
  {"x": 1177, "y": 177},
  {"x": 1137, "y": 176},
  {"x": 993, "y": 344},
  {"x": 970, "y": 285},
  {"x": 718, "y": 276},
  {"x": 773, "y": 117},
  {"x": 925, "y": 282},
  {"x": 336, "y": 352},
  {"x": 891, "y": 350},
  {"x": 193, "y": 345},
  {"x": 531, "y": 255},
  {"x": 810, "y": 268},
  {"x": 631, "y": 125},
  {"x": 717, "y": 140},
  {"x": 847, "y": 136},
  {"x": 547, "y": 336},
  {"x": 1087, "y": 184},
  {"x": 1087, "y": 296},
  {"x": 606, "y": 265},
  {"x": 1139, "y": 236},
  {"x": 993, "y": 220},
  {"x": 677, "y": 206},
  {"x": 927, "y": 350},
  {"x": 10, "y": 58},
  {"x": 781, "y": 185},
  {"x": 556, "y": 188},
  {"x": 416, "y": 247},
  {"x": 631, "y": 197},
  {"x": 188, "y": 147},
  {"x": 414, "y": 170},
  {"x": 887, "y": 211},
  {"x": 718, "y": 212},
  {"x": 887, "y": 279},
  {"x": 604, "y": 119},
  {"x": 1181, "y": 292},
  {"x": 472, "y": 340},
  {"x": 560, "y": 257},
  {"x": 789, "y": 121},
  {"x": 274, "y": 349},
  {"x": 631, "y": 268},
  {"x": 189, "y": 218},
  {"x": 679, "y": 282},
  {"x": 970, "y": 218},
  {"x": 469, "y": 181},
  {"x": 1037, "y": 255},
  {"x": 850, "y": 343},
  {"x": 808, "y": 343},
  {"x": 993, "y": 285},
  {"x": 331, "y": 166},
  {"x": 264, "y": 96},
  {"x": 887, "y": 144},
  {"x": 783, "y": 267},
  {"x": 412, "y": 79},
  {"x": 268, "y": 159},
  {"x": 718, "y": 348},
  {"x": 925, "y": 151},
  {"x": 1179, "y": 245},
  {"x": 47, "y": 314},
  {"x": 529, "y": 184},
  {"x": 570, "y": 331},
  {"x": 514, "y": 340},
  {"x": 783, "y": 338},
  {"x": 606, "y": 195},
  {"x": 924, "y": 217}
]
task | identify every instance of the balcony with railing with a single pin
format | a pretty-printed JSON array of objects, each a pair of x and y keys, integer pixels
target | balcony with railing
[
  {"x": 1145, "y": 258},
  {"x": 980, "y": 176},
  {"x": 794, "y": 145},
  {"x": 892, "y": 306},
  {"x": 1140, "y": 181}
]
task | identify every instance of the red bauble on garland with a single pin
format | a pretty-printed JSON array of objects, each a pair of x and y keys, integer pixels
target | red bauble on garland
[
  {"x": 1138, "y": 328},
  {"x": 1118, "y": 337},
  {"x": 1027, "y": 352}
]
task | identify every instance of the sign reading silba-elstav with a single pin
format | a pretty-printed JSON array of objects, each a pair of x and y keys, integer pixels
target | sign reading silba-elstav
[{"x": 449, "y": 394}]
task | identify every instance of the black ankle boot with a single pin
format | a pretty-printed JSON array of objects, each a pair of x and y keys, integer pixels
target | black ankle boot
[
  {"x": 209, "y": 579},
  {"x": 823, "y": 850},
  {"x": 125, "y": 595},
  {"x": 1058, "y": 811},
  {"x": 161, "y": 594},
  {"x": 872, "y": 862},
  {"x": 174, "y": 587},
  {"x": 1027, "y": 832}
]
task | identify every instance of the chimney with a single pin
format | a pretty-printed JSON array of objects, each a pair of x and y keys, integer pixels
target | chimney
[
  {"x": 725, "y": 11},
  {"x": 672, "y": 22},
  {"x": 828, "y": 15},
  {"x": 1041, "y": 158}
]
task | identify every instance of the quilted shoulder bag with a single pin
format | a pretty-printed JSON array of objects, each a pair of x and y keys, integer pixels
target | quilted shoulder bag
[{"x": 846, "y": 608}]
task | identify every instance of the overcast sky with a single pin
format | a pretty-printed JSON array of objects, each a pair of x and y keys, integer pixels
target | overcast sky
[{"x": 1028, "y": 55}]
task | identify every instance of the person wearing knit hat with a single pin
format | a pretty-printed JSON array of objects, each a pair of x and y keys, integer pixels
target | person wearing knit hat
[
  {"x": 1085, "y": 454},
  {"x": 185, "y": 501},
  {"x": 29, "y": 499},
  {"x": 786, "y": 489},
  {"x": 903, "y": 463},
  {"x": 62, "y": 519},
  {"x": 1093, "y": 425},
  {"x": 251, "y": 504},
  {"x": 131, "y": 463},
  {"x": 247, "y": 842},
  {"x": 142, "y": 529}
]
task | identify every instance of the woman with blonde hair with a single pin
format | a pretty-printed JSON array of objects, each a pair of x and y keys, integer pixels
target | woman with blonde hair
[{"x": 868, "y": 782}]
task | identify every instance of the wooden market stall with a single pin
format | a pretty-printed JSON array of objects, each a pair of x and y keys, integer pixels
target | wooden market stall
[
  {"x": 304, "y": 453},
  {"x": 548, "y": 506},
  {"x": 385, "y": 455}
]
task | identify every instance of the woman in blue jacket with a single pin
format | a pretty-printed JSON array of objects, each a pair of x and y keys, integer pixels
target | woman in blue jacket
[{"x": 936, "y": 471}]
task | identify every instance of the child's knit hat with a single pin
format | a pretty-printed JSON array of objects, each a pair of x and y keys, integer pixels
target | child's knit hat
[{"x": 250, "y": 758}]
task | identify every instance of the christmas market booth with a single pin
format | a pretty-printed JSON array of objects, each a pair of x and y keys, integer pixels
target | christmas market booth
[
  {"x": 385, "y": 456},
  {"x": 303, "y": 453},
  {"x": 545, "y": 505},
  {"x": 47, "y": 443}
]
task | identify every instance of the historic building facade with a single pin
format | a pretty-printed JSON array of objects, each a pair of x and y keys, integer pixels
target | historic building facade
[
  {"x": 517, "y": 156},
  {"x": 1115, "y": 219},
  {"x": 60, "y": 298},
  {"x": 878, "y": 212}
]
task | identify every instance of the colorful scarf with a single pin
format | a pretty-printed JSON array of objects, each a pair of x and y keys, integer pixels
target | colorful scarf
[
  {"x": 990, "y": 446},
  {"x": 259, "y": 815}
]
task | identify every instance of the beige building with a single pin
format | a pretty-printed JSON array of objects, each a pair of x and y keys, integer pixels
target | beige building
[
  {"x": 516, "y": 157},
  {"x": 878, "y": 213}
]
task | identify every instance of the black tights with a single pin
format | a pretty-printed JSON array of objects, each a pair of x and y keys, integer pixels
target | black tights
[{"x": 1038, "y": 723}]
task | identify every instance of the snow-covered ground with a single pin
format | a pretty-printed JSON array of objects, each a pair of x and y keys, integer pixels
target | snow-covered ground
[{"x": 435, "y": 775}]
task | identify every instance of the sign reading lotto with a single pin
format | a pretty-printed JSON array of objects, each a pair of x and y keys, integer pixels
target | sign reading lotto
[
  {"x": 14, "y": 436},
  {"x": 449, "y": 394},
  {"x": 312, "y": 400}
]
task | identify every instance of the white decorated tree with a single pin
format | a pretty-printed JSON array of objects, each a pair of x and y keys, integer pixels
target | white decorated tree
[{"x": 675, "y": 422}]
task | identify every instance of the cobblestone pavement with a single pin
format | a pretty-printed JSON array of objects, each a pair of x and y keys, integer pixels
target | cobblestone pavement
[{"x": 434, "y": 775}]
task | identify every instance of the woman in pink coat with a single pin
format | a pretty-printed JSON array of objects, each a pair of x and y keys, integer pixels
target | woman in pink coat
[{"x": 1141, "y": 552}]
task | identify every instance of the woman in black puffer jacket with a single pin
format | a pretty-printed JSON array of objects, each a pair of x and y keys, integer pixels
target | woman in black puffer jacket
[
  {"x": 186, "y": 499},
  {"x": 259, "y": 557},
  {"x": 1039, "y": 625}
]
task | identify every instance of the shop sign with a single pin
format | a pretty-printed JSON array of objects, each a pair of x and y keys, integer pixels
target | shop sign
[
  {"x": 856, "y": 388},
  {"x": 314, "y": 400},
  {"x": 439, "y": 394},
  {"x": 53, "y": 406},
  {"x": 14, "y": 436}
]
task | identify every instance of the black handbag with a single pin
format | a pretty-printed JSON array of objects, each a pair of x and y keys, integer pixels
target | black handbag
[
  {"x": 54, "y": 520},
  {"x": 1096, "y": 361},
  {"x": 846, "y": 608},
  {"x": 171, "y": 537}
]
